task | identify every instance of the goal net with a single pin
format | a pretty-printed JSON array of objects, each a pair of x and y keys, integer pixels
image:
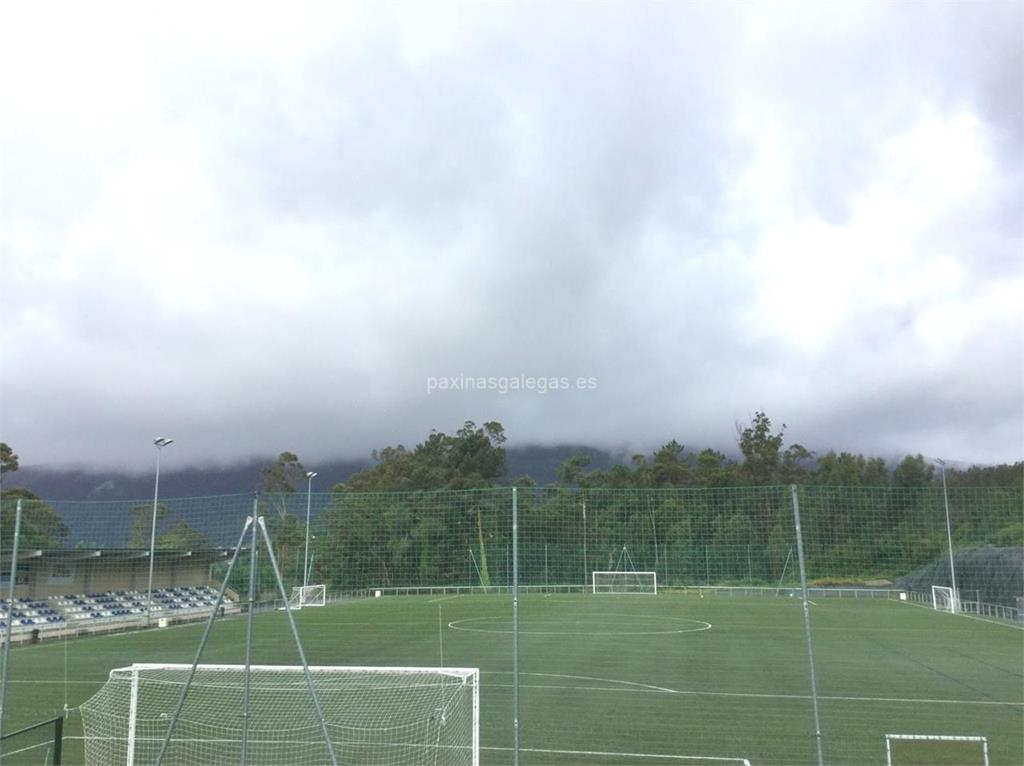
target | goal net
[
  {"x": 624, "y": 582},
  {"x": 944, "y": 599},
  {"x": 308, "y": 595},
  {"x": 930, "y": 749},
  {"x": 374, "y": 715}
]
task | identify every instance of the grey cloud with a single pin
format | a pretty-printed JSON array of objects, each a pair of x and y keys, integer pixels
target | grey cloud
[{"x": 558, "y": 192}]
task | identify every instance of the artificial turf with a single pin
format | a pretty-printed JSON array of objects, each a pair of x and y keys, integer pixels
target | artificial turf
[{"x": 672, "y": 679}]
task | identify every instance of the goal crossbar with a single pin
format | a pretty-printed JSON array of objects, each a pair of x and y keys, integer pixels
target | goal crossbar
[{"x": 338, "y": 669}]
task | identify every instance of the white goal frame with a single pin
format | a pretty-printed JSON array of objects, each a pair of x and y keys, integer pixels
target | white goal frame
[
  {"x": 652, "y": 578},
  {"x": 945, "y": 599},
  {"x": 933, "y": 738},
  {"x": 308, "y": 595},
  {"x": 131, "y": 676}
]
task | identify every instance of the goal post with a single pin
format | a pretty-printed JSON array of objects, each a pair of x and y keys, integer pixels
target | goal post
[
  {"x": 928, "y": 749},
  {"x": 624, "y": 582},
  {"x": 379, "y": 715},
  {"x": 945, "y": 599},
  {"x": 308, "y": 595}
]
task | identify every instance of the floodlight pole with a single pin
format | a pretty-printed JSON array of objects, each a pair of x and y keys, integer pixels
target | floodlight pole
[
  {"x": 310, "y": 475},
  {"x": 160, "y": 442},
  {"x": 949, "y": 535}
]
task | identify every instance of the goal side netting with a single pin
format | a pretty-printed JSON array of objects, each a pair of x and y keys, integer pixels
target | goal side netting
[
  {"x": 929, "y": 749},
  {"x": 944, "y": 599},
  {"x": 374, "y": 715},
  {"x": 308, "y": 595},
  {"x": 624, "y": 582}
]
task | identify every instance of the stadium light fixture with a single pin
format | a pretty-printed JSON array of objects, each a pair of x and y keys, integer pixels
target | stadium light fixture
[
  {"x": 949, "y": 535},
  {"x": 160, "y": 442},
  {"x": 310, "y": 475}
]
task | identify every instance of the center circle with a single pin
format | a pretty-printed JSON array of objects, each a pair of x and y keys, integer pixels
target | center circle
[{"x": 584, "y": 625}]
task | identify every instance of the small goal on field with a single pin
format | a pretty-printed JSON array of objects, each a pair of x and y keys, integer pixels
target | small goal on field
[
  {"x": 935, "y": 749},
  {"x": 945, "y": 599},
  {"x": 624, "y": 582},
  {"x": 308, "y": 595}
]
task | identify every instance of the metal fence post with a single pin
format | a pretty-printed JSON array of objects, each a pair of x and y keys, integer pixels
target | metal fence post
[{"x": 807, "y": 622}]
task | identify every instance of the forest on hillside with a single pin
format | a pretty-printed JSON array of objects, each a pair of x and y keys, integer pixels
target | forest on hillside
[{"x": 438, "y": 514}]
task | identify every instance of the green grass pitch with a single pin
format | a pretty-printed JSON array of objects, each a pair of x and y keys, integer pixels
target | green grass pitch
[{"x": 609, "y": 679}]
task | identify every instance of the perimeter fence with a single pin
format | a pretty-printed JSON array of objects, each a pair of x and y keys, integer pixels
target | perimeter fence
[
  {"x": 853, "y": 537},
  {"x": 77, "y": 568}
]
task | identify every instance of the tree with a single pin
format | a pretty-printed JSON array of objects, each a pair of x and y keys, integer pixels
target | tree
[
  {"x": 471, "y": 458},
  {"x": 41, "y": 525},
  {"x": 8, "y": 464},
  {"x": 760, "y": 448},
  {"x": 712, "y": 469},
  {"x": 278, "y": 481},
  {"x": 1004, "y": 475},
  {"x": 913, "y": 471},
  {"x": 670, "y": 466},
  {"x": 572, "y": 470},
  {"x": 797, "y": 462},
  {"x": 181, "y": 537},
  {"x": 8, "y": 460},
  {"x": 283, "y": 475},
  {"x": 142, "y": 524}
]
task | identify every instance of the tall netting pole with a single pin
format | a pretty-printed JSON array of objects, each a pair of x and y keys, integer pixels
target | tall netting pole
[
  {"x": 515, "y": 625},
  {"x": 10, "y": 619},
  {"x": 253, "y": 576},
  {"x": 586, "y": 568},
  {"x": 202, "y": 644},
  {"x": 807, "y": 621},
  {"x": 298, "y": 643},
  {"x": 949, "y": 537}
]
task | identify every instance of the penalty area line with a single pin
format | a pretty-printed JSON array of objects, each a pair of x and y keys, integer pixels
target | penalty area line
[{"x": 664, "y": 756}]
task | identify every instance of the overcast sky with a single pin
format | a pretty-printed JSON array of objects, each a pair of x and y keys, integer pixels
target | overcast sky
[{"x": 259, "y": 228}]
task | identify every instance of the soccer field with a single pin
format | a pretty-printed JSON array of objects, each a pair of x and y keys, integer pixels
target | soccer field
[{"x": 668, "y": 679}]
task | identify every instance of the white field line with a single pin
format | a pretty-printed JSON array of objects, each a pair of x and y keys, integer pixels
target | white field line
[
  {"x": 444, "y": 598},
  {"x": 9, "y": 753},
  {"x": 829, "y": 628},
  {"x": 633, "y": 686},
  {"x": 642, "y": 688},
  {"x": 969, "y": 616},
  {"x": 665, "y": 756}
]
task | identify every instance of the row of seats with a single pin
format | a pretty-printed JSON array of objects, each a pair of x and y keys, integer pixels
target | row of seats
[
  {"x": 25, "y": 612},
  {"x": 81, "y": 609}
]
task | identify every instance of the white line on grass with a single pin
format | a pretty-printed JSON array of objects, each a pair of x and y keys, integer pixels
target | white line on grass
[
  {"x": 665, "y": 756},
  {"x": 638, "y": 687},
  {"x": 650, "y": 688},
  {"x": 9, "y": 753},
  {"x": 690, "y": 626},
  {"x": 968, "y": 616},
  {"x": 444, "y": 598}
]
